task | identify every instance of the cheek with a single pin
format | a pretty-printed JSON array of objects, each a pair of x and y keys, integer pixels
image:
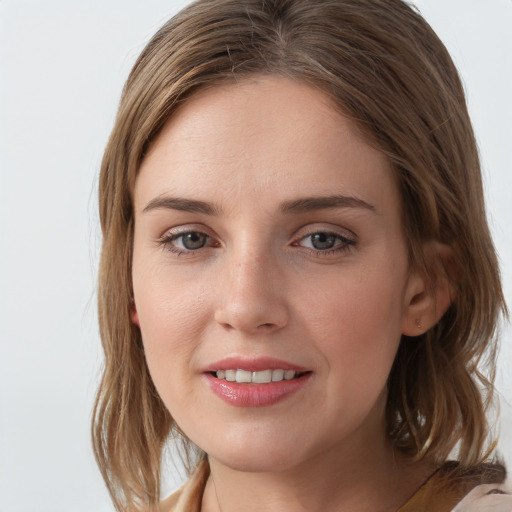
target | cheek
[
  {"x": 172, "y": 319},
  {"x": 172, "y": 327},
  {"x": 356, "y": 319}
]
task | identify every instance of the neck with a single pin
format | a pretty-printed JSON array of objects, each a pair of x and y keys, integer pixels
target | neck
[{"x": 360, "y": 476}]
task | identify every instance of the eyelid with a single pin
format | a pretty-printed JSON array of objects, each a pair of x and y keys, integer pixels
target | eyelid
[
  {"x": 345, "y": 243},
  {"x": 172, "y": 234},
  {"x": 184, "y": 229},
  {"x": 347, "y": 238},
  {"x": 320, "y": 227}
]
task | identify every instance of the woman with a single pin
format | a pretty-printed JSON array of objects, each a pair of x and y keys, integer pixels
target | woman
[{"x": 297, "y": 277}]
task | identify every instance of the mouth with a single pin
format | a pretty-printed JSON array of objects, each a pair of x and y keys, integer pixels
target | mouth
[
  {"x": 256, "y": 382},
  {"x": 257, "y": 377}
]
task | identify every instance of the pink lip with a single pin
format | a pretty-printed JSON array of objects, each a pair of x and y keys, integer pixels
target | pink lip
[{"x": 254, "y": 395}]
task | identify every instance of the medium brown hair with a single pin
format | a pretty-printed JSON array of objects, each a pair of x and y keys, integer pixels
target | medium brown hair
[{"x": 382, "y": 66}]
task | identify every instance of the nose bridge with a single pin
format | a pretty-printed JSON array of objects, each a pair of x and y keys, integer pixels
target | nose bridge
[
  {"x": 247, "y": 269},
  {"x": 252, "y": 293}
]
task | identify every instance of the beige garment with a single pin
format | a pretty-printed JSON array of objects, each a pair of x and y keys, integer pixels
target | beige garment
[
  {"x": 442, "y": 492},
  {"x": 189, "y": 497}
]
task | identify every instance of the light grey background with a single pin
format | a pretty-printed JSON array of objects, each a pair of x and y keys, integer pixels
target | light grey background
[{"x": 62, "y": 66}]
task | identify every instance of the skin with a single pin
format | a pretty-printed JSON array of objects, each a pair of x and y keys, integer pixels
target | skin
[{"x": 259, "y": 288}]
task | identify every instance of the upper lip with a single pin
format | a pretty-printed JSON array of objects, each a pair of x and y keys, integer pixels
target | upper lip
[{"x": 257, "y": 364}]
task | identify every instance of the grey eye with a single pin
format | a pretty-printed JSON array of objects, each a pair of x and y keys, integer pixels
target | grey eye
[
  {"x": 193, "y": 240},
  {"x": 323, "y": 241}
]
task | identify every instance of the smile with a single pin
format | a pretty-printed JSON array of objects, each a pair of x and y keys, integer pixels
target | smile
[
  {"x": 260, "y": 377},
  {"x": 256, "y": 388}
]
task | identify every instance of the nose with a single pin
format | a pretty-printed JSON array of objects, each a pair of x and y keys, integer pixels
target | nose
[{"x": 252, "y": 296}]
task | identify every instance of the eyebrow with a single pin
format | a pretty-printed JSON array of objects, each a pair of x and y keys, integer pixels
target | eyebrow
[
  {"x": 181, "y": 204},
  {"x": 301, "y": 205},
  {"x": 308, "y": 204}
]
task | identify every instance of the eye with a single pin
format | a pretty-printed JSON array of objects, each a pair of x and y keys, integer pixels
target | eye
[
  {"x": 192, "y": 240},
  {"x": 322, "y": 241},
  {"x": 186, "y": 241},
  {"x": 325, "y": 242}
]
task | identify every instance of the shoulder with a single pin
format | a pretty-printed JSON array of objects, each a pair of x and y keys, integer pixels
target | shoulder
[
  {"x": 487, "y": 498},
  {"x": 480, "y": 488},
  {"x": 453, "y": 488}
]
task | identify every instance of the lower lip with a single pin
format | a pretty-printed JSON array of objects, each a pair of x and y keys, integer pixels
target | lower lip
[{"x": 255, "y": 395}]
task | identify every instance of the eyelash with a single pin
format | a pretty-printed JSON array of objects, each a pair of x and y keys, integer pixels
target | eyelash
[
  {"x": 169, "y": 238},
  {"x": 345, "y": 243}
]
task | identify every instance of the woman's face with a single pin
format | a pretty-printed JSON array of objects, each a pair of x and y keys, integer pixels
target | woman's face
[{"x": 268, "y": 246}]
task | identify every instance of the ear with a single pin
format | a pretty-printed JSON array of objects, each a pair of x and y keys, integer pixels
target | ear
[
  {"x": 135, "y": 315},
  {"x": 429, "y": 292}
]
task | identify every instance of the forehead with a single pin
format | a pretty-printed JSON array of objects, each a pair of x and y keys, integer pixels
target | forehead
[{"x": 265, "y": 136}]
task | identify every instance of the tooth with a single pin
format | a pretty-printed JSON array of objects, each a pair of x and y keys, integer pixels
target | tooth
[
  {"x": 277, "y": 375},
  {"x": 243, "y": 376},
  {"x": 262, "y": 377}
]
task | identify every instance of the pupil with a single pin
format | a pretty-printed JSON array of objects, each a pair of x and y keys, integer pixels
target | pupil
[
  {"x": 323, "y": 241},
  {"x": 194, "y": 240}
]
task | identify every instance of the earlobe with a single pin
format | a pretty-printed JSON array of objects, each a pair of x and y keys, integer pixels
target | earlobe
[
  {"x": 429, "y": 293},
  {"x": 135, "y": 315}
]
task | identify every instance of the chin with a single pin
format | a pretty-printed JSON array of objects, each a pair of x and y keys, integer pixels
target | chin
[
  {"x": 257, "y": 455},
  {"x": 257, "y": 463}
]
